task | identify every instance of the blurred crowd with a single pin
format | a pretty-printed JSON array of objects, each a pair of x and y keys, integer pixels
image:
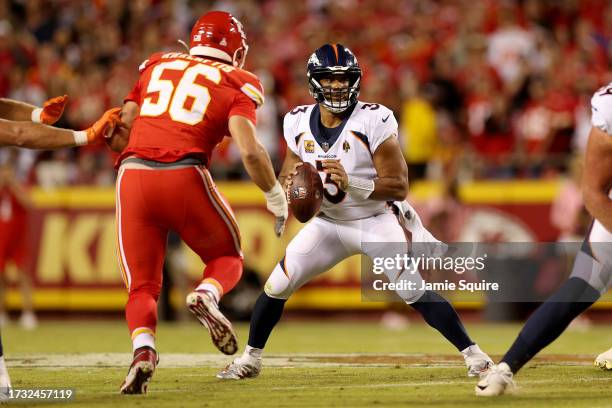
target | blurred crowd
[{"x": 481, "y": 88}]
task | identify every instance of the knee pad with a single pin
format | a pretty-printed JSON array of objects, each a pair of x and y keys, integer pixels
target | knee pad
[{"x": 279, "y": 285}]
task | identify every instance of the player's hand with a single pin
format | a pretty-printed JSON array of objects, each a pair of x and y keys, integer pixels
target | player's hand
[
  {"x": 276, "y": 203},
  {"x": 104, "y": 127},
  {"x": 289, "y": 180},
  {"x": 119, "y": 138},
  {"x": 338, "y": 175},
  {"x": 52, "y": 109}
]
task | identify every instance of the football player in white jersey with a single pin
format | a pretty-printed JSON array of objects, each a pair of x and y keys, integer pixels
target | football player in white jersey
[
  {"x": 592, "y": 272},
  {"x": 355, "y": 148}
]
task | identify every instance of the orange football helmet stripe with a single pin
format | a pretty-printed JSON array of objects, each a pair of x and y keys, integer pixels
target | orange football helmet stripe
[{"x": 335, "y": 47}]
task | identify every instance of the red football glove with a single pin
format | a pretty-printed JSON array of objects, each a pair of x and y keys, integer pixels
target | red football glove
[{"x": 52, "y": 109}]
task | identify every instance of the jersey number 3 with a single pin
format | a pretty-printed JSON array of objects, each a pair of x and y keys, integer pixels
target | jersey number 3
[
  {"x": 334, "y": 195},
  {"x": 172, "y": 100}
]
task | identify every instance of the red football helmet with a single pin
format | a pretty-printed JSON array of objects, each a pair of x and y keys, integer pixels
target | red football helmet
[{"x": 220, "y": 35}]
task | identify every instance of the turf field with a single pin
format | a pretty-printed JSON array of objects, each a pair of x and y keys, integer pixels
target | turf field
[{"x": 307, "y": 365}]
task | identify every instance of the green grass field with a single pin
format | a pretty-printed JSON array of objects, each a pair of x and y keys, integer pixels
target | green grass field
[{"x": 307, "y": 365}]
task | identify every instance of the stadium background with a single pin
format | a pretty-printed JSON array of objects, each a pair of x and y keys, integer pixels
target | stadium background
[{"x": 492, "y": 99}]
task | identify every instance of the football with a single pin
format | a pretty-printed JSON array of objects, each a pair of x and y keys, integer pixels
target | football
[{"x": 305, "y": 193}]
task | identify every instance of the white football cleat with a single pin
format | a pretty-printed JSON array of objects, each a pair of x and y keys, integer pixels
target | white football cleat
[
  {"x": 604, "y": 360},
  {"x": 477, "y": 361},
  {"x": 205, "y": 308},
  {"x": 241, "y": 368},
  {"x": 497, "y": 380}
]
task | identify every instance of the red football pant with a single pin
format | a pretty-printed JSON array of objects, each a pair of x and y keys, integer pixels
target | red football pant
[{"x": 186, "y": 200}]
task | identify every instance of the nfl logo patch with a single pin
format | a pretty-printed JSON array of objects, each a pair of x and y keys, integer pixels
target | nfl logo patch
[{"x": 309, "y": 146}]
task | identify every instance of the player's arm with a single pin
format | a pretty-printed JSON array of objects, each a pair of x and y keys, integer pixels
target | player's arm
[
  {"x": 391, "y": 183},
  {"x": 38, "y": 136},
  {"x": 15, "y": 110},
  {"x": 597, "y": 181},
  {"x": 121, "y": 137},
  {"x": 259, "y": 167},
  {"x": 20, "y": 111}
]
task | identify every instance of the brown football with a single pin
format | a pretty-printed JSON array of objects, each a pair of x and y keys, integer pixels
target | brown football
[{"x": 305, "y": 193}]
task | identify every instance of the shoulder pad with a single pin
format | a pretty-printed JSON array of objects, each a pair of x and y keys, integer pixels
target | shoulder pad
[
  {"x": 150, "y": 61},
  {"x": 251, "y": 86}
]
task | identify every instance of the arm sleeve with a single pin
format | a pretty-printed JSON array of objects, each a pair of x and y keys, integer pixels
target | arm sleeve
[
  {"x": 601, "y": 109},
  {"x": 289, "y": 133},
  {"x": 243, "y": 106},
  {"x": 382, "y": 130}
]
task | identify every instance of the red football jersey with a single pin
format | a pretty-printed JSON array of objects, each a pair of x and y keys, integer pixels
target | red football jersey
[{"x": 185, "y": 104}]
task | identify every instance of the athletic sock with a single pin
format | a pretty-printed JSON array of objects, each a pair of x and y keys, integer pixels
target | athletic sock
[
  {"x": 208, "y": 286},
  {"x": 550, "y": 320},
  {"x": 441, "y": 315},
  {"x": 266, "y": 313},
  {"x": 143, "y": 337}
]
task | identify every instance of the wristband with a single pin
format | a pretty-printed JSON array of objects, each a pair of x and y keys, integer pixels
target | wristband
[
  {"x": 276, "y": 201},
  {"x": 359, "y": 187},
  {"x": 80, "y": 137},
  {"x": 37, "y": 115}
]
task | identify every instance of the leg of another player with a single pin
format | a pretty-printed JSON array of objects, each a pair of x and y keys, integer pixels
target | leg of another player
[
  {"x": 314, "y": 250},
  {"x": 28, "y": 319},
  {"x": 141, "y": 245},
  {"x": 209, "y": 228},
  {"x": 547, "y": 323}
]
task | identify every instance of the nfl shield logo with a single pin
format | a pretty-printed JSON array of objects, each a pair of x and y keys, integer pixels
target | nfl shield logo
[
  {"x": 346, "y": 147},
  {"x": 325, "y": 146}
]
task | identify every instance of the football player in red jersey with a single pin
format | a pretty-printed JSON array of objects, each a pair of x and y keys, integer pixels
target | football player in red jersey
[
  {"x": 180, "y": 108},
  {"x": 24, "y": 125}
]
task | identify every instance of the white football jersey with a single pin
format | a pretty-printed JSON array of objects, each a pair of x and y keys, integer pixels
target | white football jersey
[
  {"x": 601, "y": 109},
  {"x": 353, "y": 143}
]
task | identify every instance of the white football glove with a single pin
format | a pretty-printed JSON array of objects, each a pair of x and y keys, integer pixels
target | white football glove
[{"x": 276, "y": 203}]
